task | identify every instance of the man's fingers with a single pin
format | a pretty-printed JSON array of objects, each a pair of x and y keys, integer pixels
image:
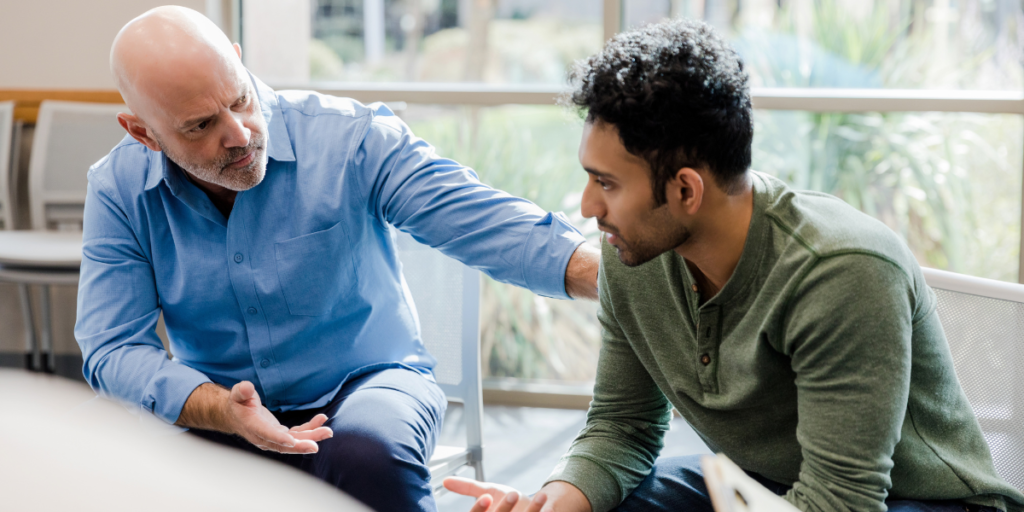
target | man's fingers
[
  {"x": 271, "y": 434},
  {"x": 318, "y": 434},
  {"x": 482, "y": 503},
  {"x": 508, "y": 503},
  {"x": 300, "y": 448},
  {"x": 312, "y": 424},
  {"x": 243, "y": 392},
  {"x": 537, "y": 502},
  {"x": 466, "y": 486}
]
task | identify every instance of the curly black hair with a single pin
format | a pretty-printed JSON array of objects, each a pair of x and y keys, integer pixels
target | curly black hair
[{"x": 679, "y": 97}]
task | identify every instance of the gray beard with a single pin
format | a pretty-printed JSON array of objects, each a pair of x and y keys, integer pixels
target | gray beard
[{"x": 214, "y": 172}]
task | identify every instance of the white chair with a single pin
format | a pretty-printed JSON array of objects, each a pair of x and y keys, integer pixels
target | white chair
[
  {"x": 69, "y": 137},
  {"x": 447, "y": 298},
  {"x": 7, "y": 163},
  {"x": 984, "y": 322}
]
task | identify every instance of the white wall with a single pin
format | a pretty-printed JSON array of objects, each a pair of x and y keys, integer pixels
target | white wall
[
  {"x": 65, "y": 44},
  {"x": 277, "y": 34}
]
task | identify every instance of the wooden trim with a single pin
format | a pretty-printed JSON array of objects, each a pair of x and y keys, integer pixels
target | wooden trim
[
  {"x": 537, "y": 394},
  {"x": 26, "y": 107},
  {"x": 546, "y": 400},
  {"x": 815, "y": 100}
]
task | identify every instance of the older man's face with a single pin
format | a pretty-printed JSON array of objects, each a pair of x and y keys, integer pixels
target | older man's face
[{"x": 217, "y": 135}]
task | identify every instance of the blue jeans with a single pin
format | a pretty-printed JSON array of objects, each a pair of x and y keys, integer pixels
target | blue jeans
[
  {"x": 385, "y": 427},
  {"x": 676, "y": 483}
]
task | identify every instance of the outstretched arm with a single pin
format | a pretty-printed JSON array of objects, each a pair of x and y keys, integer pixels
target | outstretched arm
[{"x": 441, "y": 203}]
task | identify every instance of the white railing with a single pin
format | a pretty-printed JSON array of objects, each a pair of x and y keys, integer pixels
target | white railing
[{"x": 814, "y": 100}]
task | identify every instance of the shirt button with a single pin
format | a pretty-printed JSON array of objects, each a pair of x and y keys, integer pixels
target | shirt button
[
  {"x": 265, "y": 363},
  {"x": 238, "y": 257},
  {"x": 694, "y": 287},
  {"x": 252, "y": 311},
  {"x": 705, "y": 359}
]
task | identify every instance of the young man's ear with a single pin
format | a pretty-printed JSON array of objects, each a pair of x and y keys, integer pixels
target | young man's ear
[
  {"x": 685, "y": 191},
  {"x": 137, "y": 130}
]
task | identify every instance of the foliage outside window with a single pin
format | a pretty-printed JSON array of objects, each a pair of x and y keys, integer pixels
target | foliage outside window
[{"x": 517, "y": 41}]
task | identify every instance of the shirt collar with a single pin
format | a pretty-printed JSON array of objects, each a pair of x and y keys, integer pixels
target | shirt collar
[{"x": 279, "y": 144}]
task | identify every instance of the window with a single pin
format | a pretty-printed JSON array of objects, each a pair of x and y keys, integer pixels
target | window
[{"x": 911, "y": 110}]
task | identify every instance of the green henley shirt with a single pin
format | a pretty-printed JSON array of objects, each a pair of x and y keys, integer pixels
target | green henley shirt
[{"x": 820, "y": 364}]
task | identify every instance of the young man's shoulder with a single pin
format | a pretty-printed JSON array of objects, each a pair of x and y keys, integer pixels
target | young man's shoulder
[{"x": 822, "y": 225}]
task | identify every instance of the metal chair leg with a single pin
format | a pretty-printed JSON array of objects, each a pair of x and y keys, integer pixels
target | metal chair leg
[
  {"x": 46, "y": 328},
  {"x": 478, "y": 467},
  {"x": 32, "y": 356}
]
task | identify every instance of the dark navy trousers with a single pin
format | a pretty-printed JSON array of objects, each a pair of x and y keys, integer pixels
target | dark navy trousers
[
  {"x": 676, "y": 483},
  {"x": 385, "y": 427}
]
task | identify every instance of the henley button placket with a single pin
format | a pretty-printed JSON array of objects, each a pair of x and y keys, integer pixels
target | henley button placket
[{"x": 707, "y": 348}]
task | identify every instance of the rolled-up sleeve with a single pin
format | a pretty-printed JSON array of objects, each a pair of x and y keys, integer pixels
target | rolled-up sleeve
[
  {"x": 118, "y": 309},
  {"x": 443, "y": 204}
]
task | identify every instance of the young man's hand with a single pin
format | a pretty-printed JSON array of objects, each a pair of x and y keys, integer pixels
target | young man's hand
[
  {"x": 554, "y": 497},
  {"x": 239, "y": 411}
]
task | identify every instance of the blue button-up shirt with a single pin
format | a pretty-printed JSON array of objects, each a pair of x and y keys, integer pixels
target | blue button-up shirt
[{"x": 300, "y": 288}]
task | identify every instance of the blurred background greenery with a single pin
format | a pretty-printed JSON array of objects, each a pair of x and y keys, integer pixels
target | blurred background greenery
[{"x": 949, "y": 183}]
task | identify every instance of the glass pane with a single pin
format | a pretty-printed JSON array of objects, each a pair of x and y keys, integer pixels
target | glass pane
[
  {"x": 495, "y": 41},
  {"x": 527, "y": 151},
  {"x": 948, "y": 183},
  {"x": 930, "y": 44}
]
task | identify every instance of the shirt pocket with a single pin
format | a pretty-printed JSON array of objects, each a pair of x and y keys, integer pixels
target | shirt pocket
[{"x": 315, "y": 270}]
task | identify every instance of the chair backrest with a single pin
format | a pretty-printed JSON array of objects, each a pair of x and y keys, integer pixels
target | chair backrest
[
  {"x": 6, "y": 165},
  {"x": 446, "y": 294},
  {"x": 69, "y": 137},
  {"x": 984, "y": 322}
]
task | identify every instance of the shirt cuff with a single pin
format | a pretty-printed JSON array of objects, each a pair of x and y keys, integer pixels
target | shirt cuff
[
  {"x": 170, "y": 388},
  {"x": 550, "y": 245},
  {"x": 595, "y": 482}
]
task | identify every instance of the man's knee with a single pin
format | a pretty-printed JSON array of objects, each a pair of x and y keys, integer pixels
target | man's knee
[
  {"x": 382, "y": 464},
  {"x": 362, "y": 455},
  {"x": 380, "y": 434}
]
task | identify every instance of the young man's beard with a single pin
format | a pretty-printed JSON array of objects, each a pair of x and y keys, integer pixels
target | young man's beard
[
  {"x": 659, "y": 235},
  {"x": 234, "y": 179}
]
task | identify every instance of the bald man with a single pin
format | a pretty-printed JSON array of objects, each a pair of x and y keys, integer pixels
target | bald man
[{"x": 258, "y": 223}]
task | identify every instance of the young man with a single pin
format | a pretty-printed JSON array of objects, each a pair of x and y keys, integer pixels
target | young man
[{"x": 794, "y": 333}]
